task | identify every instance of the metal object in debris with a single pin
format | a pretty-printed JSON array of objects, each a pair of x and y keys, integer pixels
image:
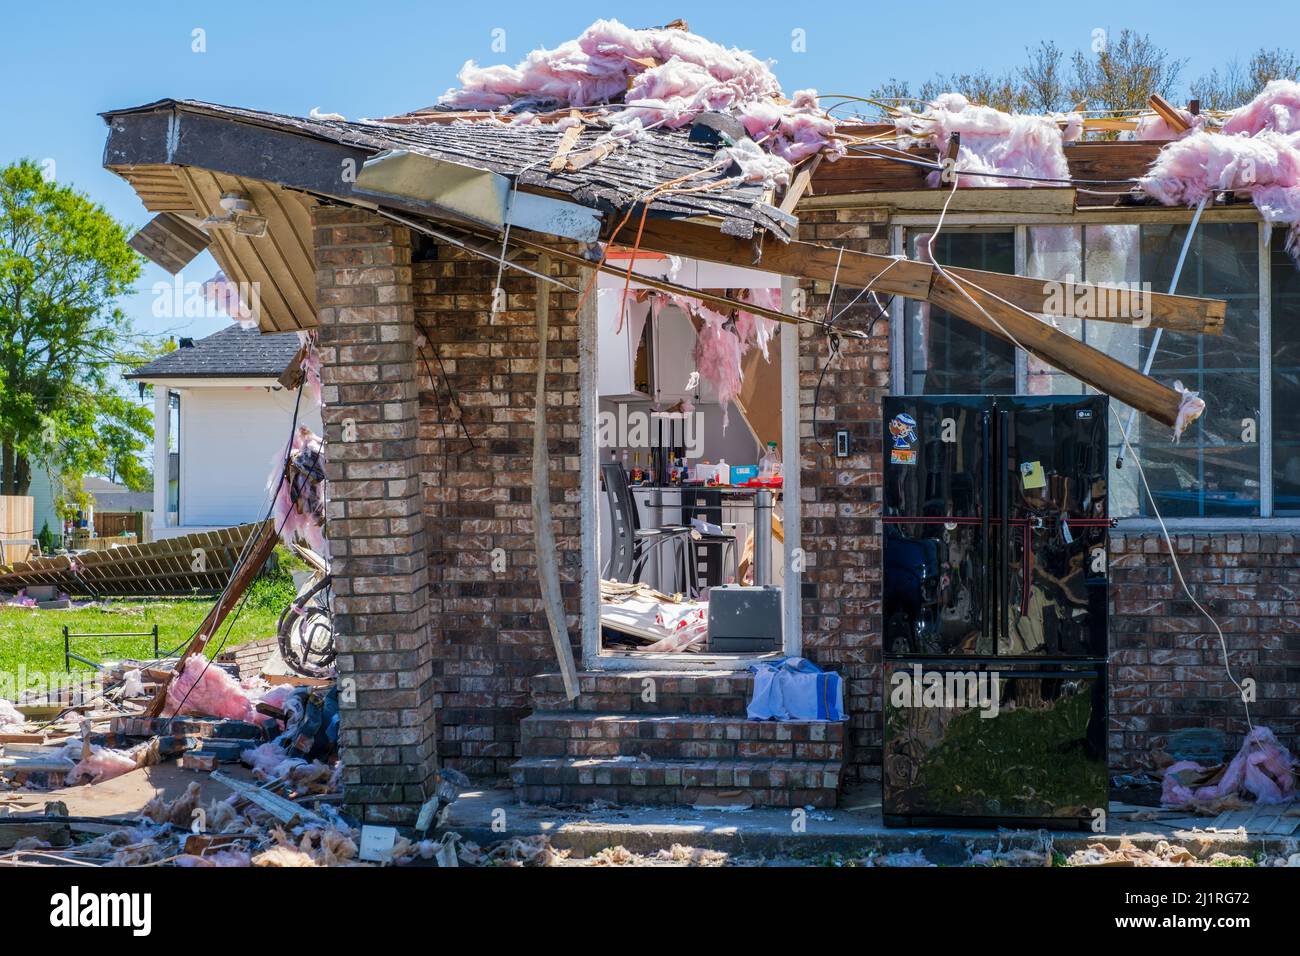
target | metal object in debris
[
  {"x": 762, "y": 536},
  {"x": 744, "y": 619},
  {"x": 69, "y": 656},
  {"x": 306, "y": 627},
  {"x": 474, "y": 195}
]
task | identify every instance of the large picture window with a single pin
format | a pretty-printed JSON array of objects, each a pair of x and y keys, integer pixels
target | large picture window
[{"x": 1220, "y": 467}]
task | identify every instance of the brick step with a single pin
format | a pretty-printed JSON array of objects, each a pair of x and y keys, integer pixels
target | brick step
[
  {"x": 708, "y": 693},
  {"x": 772, "y": 783},
  {"x": 678, "y": 737}
]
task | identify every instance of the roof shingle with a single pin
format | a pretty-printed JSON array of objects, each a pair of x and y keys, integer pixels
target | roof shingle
[{"x": 233, "y": 352}]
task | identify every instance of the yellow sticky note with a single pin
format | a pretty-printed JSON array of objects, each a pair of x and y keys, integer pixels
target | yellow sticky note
[{"x": 1031, "y": 475}]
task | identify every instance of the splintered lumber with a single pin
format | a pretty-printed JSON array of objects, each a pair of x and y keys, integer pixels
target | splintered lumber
[
  {"x": 1168, "y": 113},
  {"x": 567, "y": 141},
  {"x": 910, "y": 278},
  {"x": 548, "y": 573},
  {"x": 1057, "y": 349},
  {"x": 262, "y": 547},
  {"x": 284, "y": 810}
]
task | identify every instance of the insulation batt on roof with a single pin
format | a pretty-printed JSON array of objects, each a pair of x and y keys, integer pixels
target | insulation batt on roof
[
  {"x": 1257, "y": 152},
  {"x": 661, "y": 78}
]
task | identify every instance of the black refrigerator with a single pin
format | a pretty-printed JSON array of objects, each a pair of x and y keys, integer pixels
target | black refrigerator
[{"x": 995, "y": 610}]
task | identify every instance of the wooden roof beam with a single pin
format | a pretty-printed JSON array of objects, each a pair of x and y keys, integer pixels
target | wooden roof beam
[
  {"x": 983, "y": 307},
  {"x": 1057, "y": 349},
  {"x": 913, "y": 279}
]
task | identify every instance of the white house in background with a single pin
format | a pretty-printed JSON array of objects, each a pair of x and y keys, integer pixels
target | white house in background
[{"x": 221, "y": 420}]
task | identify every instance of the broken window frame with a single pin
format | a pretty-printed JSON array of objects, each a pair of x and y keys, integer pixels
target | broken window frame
[{"x": 1268, "y": 515}]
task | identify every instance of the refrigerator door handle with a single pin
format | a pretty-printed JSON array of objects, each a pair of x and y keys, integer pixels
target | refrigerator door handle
[
  {"x": 986, "y": 544},
  {"x": 1003, "y": 564}
]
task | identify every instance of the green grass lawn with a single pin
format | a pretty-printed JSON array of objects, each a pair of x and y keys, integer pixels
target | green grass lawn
[{"x": 34, "y": 639}]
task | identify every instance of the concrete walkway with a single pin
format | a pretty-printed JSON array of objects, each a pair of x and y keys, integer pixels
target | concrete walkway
[{"x": 854, "y": 830}]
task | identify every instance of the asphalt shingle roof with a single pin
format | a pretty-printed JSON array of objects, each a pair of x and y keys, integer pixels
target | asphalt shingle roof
[
  {"x": 234, "y": 352},
  {"x": 616, "y": 182}
]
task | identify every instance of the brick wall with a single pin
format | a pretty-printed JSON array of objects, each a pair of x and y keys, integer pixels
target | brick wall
[
  {"x": 438, "y": 608},
  {"x": 1166, "y": 659},
  {"x": 842, "y": 496},
  {"x": 250, "y": 657},
  {"x": 489, "y": 628},
  {"x": 376, "y": 527}
]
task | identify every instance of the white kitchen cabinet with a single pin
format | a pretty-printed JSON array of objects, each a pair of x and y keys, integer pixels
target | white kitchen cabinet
[{"x": 620, "y": 357}]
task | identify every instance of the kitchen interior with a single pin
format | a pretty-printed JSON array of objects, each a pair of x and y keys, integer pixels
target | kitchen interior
[{"x": 691, "y": 546}]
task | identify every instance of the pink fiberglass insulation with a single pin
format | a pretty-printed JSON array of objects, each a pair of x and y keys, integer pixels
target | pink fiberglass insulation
[
  {"x": 1153, "y": 126},
  {"x": 205, "y": 690},
  {"x": 1266, "y": 165},
  {"x": 660, "y": 77},
  {"x": 1262, "y": 769},
  {"x": 310, "y": 367},
  {"x": 721, "y": 343},
  {"x": 298, "y": 475},
  {"x": 102, "y": 764},
  {"x": 225, "y": 295},
  {"x": 991, "y": 142},
  {"x": 1276, "y": 108}
]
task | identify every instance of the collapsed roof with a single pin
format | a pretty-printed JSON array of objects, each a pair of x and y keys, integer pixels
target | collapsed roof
[{"x": 248, "y": 180}]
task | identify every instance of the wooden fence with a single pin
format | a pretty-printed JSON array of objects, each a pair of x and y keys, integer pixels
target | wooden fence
[{"x": 16, "y": 533}]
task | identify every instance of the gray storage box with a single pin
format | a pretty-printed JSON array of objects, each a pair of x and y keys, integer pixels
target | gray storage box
[{"x": 744, "y": 619}]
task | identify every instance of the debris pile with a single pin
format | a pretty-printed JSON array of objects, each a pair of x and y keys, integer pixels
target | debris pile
[
  {"x": 1257, "y": 153},
  {"x": 643, "y": 79},
  {"x": 1263, "y": 771},
  {"x": 994, "y": 147}
]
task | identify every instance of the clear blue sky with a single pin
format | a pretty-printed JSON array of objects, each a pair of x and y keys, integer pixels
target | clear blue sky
[{"x": 64, "y": 62}]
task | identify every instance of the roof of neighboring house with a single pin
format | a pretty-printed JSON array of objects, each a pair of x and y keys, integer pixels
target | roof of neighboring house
[
  {"x": 616, "y": 182},
  {"x": 234, "y": 352}
]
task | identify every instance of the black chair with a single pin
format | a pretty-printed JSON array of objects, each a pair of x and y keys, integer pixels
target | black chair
[
  {"x": 632, "y": 545},
  {"x": 709, "y": 550}
]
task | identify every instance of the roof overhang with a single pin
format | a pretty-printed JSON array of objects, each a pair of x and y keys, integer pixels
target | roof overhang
[{"x": 208, "y": 381}]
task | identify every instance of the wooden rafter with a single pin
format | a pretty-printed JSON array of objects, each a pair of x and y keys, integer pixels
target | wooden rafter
[
  {"x": 987, "y": 300},
  {"x": 909, "y": 278}
]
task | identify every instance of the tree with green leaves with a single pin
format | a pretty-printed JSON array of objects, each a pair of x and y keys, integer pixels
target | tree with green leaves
[
  {"x": 64, "y": 341},
  {"x": 1123, "y": 72},
  {"x": 1236, "y": 84}
]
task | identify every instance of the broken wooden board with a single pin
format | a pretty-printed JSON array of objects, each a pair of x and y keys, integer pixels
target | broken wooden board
[
  {"x": 1048, "y": 200},
  {"x": 1111, "y": 166},
  {"x": 286, "y": 811},
  {"x": 1002, "y": 319},
  {"x": 259, "y": 550},
  {"x": 910, "y": 278},
  {"x": 14, "y": 829}
]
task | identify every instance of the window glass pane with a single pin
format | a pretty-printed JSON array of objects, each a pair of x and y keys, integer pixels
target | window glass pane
[
  {"x": 1214, "y": 470},
  {"x": 1286, "y": 378},
  {"x": 945, "y": 355}
]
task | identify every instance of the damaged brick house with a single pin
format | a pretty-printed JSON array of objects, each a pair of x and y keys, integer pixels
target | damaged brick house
[{"x": 385, "y": 237}]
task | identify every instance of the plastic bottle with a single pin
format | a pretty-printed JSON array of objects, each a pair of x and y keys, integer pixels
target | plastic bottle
[{"x": 769, "y": 466}]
